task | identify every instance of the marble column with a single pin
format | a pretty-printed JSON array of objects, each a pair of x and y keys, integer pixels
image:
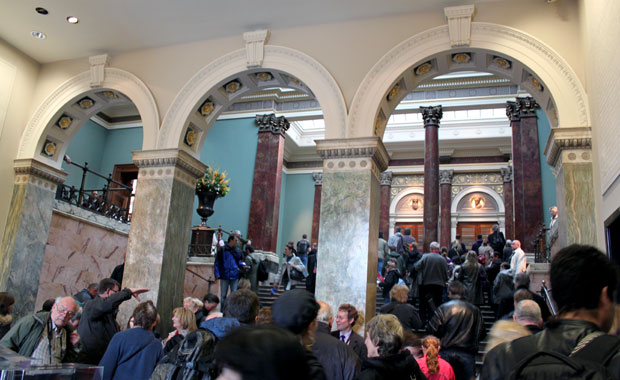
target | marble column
[
  {"x": 384, "y": 212},
  {"x": 527, "y": 185},
  {"x": 508, "y": 202},
  {"x": 316, "y": 210},
  {"x": 347, "y": 263},
  {"x": 431, "y": 116},
  {"x": 445, "y": 182},
  {"x": 569, "y": 151},
  {"x": 160, "y": 229},
  {"x": 267, "y": 184},
  {"x": 26, "y": 230}
]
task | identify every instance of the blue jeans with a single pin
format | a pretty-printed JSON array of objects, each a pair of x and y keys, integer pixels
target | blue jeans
[
  {"x": 224, "y": 285},
  {"x": 463, "y": 363},
  {"x": 380, "y": 266},
  {"x": 304, "y": 259}
]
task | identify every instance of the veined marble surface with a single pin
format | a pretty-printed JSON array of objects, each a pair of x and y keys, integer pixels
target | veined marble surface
[
  {"x": 347, "y": 260},
  {"x": 578, "y": 194},
  {"x": 81, "y": 214}
]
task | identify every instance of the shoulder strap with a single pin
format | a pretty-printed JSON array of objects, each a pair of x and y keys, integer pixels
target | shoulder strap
[
  {"x": 597, "y": 347},
  {"x": 138, "y": 351}
]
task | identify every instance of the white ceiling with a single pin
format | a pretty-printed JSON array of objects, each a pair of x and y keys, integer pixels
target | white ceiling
[{"x": 112, "y": 26}]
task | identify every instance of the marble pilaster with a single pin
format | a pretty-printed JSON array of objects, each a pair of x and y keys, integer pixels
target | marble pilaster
[
  {"x": 347, "y": 263},
  {"x": 316, "y": 208},
  {"x": 26, "y": 231},
  {"x": 160, "y": 225},
  {"x": 267, "y": 183},
  {"x": 527, "y": 186},
  {"x": 569, "y": 151},
  {"x": 508, "y": 202},
  {"x": 384, "y": 213},
  {"x": 431, "y": 116},
  {"x": 445, "y": 183}
]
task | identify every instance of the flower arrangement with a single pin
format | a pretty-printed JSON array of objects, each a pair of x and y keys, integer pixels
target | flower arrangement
[{"x": 213, "y": 181}]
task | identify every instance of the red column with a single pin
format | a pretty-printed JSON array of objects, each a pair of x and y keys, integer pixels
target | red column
[
  {"x": 431, "y": 116},
  {"x": 445, "y": 182},
  {"x": 316, "y": 210},
  {"x": 527, "y": 185},
  {"x": 265, "y": 203},
  {"x": 384, "y": 212},
  {"x": 508, "y": 202}
]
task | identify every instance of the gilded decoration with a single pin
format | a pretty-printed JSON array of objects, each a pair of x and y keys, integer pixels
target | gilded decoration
[
  {"x": 49, "y": 148},
  {"x": 400, "y": 182},
  {"x": 424, "y": 68},
  {"x": 493, "y": 181},
  {"x": 477, "y": 202},
  {"x": 232, "y": 86},
  {"x": 110, "y": 94},
  {"x": 460, "y": 58},
  {"x": 190, "y": 137},
  {"x": 64, "y": 122},
  {"x": 206, "y": 108},
  {"x": 536, "y": 84},
  {"x": 264, "y": 76},
  {"x": 86, "y": 103},
  {"x": 393, "y": 92},
  {"x": 412, "y": 203},
  {"x": 502, "y": 62}
]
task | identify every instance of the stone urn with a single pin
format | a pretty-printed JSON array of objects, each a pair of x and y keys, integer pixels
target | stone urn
[{"x": 206, "y": 199}]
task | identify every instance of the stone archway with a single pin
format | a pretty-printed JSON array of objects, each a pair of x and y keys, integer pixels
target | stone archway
[
  {"x": 493, "y": 211},
  {"x": 494, "y": 48}
]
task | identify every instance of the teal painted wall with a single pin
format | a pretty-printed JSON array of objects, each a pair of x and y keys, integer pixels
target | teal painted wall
[
  {"x": 547, "y": 178},
  {"x": 281, "y": 242},
  {"x": 231, "y": 146},
  {"x": 296, "y": 213},
  {"x": 102, "y": 149}
]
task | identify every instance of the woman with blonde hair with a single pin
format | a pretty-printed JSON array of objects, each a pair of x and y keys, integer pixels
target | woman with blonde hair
[
  {"x": 184, "y": 322},
  {"x": 433, "y": 366}
]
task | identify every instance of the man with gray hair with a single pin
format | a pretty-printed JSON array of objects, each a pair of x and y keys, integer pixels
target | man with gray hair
[
  {"x": 434, "y": 271},
  {"x": 527, "y": 313},
  {"x": 46, "y": 336},
  {"x": 496, "y": 239},
  {"x": 339, "y": 361}
]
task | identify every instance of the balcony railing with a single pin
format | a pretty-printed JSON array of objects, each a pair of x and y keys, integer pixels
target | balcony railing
[{"x": 97, "y": 200}]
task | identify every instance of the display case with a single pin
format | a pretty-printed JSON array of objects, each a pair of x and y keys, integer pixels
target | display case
[{"x": 17, "y": 367}]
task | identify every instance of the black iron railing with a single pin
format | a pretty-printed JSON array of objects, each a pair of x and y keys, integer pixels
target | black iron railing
[
  {"x": 97, "y": 200},
  {"x": 541, "y": 250},
  {"x": 545, "y": 293}
]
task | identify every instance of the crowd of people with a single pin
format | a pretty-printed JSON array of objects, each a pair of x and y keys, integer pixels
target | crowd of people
[{"x": 299, "y": 337}]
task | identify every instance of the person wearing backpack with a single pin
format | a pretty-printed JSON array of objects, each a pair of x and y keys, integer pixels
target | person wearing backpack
[
  {"x": 303, "y": 246},
  {"x": 575, "y": 344}
]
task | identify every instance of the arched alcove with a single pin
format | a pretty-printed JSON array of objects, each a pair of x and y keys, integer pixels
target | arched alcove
[{"x": 476, "y": 204}]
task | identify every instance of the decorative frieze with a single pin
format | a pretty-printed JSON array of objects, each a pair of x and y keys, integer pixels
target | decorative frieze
[
  {"x": 162, "y": 164},
  {"x": 37, "y": 173},
  {"x": 574, "y": 144},
  {"x": 386, "y": 178},
  {"x": 353, "y": 154},
  {"x": 273, "y": 124},
  {"x": 522, "y": 107}
]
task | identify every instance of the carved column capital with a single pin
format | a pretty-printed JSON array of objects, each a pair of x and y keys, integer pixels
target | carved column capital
[
  {"x": 431, "y": 115},
  {"x": 507, "y": 174},
  {"x": 318, "y": 178},
  {"x": 522, "y": 107},
  {"x": 386, "y": 179},
  {"x": 445, "y": 177},
  {"x": 578, "y": 140},
  {"x": 273, "y": 124}
]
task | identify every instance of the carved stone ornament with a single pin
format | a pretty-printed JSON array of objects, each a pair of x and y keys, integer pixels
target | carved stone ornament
[
  {"x": 431, "y": 115},
  {"x": 255, "y": 47},
  {"x": 169, "y": 158},
  {"x": 273, "y": 124},
  {"x": 445, "y": 177},
  {"x": 522, "y": 107},
  {"x": 459, "y": 24},
  {"x": 386, "y": 178},
  {"x": 318, "y": 178},
  {"x": 507, "y": 174},
  {"x": 97, "y": 69}
]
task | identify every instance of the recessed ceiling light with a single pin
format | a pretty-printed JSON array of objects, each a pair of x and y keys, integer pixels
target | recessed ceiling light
[
  {"x": 72, "y": 20},
  {"x": 41, "y": 11},
  {"x": 38, "y": 35}
]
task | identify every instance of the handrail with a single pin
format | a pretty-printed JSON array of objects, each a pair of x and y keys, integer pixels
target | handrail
[{"x": 547, "y": 297}]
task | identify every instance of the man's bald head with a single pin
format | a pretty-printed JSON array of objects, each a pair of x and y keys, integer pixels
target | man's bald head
[
  {"x": 325, "y": 314},
  {"x": 527, "y": 312},
  {"x": 63, "y": 310}
]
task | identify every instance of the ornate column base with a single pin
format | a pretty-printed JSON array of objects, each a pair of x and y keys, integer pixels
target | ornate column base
[
  {"x": 347, "y": 263},
  {"x": 26, "y": 231},
  {"x": 159, "y": 234}
]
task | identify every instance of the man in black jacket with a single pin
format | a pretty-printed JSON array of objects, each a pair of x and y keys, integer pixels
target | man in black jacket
[
  {"x": 338, "y": 360},
  {"x": 345, "y": 319},
  {"x": 407, "y": 314},
  {"x": 98, "y": 324},
  {"x": 583, "y": 282},
  {"x": 459, "y": 326}
]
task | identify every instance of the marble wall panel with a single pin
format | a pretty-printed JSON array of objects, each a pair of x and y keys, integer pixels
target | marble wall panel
[
  {"x": 578, "y": 201},
  {"x": 78, "y": 252},
  {"x": 347, "y": 261}
]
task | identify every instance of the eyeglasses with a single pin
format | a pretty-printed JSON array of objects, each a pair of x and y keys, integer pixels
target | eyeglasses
[{"x": 62, "y": 310}]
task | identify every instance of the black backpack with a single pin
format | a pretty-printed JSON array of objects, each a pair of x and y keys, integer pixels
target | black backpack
[
  {"x": 192, "y": 359},
  {"x": 262, "y": 274},
  {"x": 587, "y": 361}
]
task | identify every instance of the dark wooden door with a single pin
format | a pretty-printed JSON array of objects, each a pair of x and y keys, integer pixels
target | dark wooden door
[
  {"x": 417, "y": 231},
  {"x": 469, "y": 231}
]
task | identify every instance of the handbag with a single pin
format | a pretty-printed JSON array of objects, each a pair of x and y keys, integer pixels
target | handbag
[{"x": 296, "y": 275}]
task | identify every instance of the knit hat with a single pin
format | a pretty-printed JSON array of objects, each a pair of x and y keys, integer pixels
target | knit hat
[{"x": 295, "y": 310}]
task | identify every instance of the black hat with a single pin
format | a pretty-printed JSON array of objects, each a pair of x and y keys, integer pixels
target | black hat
[{"x": 295, "y": 310}]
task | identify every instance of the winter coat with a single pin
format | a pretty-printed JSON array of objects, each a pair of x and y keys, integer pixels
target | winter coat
[
  {"x": 131, "y": 355},
  {"x": 339, "y": 361},
  {"x": 227, "y": 263},
  {"x": 401, "y": 366}
]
